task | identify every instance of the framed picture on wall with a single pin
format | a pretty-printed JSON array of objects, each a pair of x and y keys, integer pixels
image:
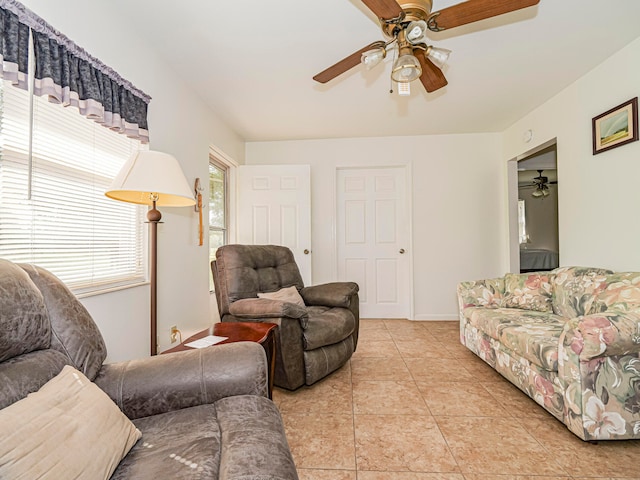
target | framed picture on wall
[{"x": 616, "y": 127}]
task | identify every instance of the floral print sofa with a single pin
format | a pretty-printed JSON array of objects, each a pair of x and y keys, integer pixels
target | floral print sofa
[{"x": 568, "y": 338}]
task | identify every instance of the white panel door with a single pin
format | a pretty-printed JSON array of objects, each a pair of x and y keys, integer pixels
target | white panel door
[
  {"x": 274, "y": 208},
  {"x": 373, "y": 239}
]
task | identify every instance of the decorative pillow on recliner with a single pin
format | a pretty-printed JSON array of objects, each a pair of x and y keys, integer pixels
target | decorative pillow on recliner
[
  {"x": 289, "y": 294},
  {"x": 528, "y": 291},
  {"x": 67, "y": 429}
]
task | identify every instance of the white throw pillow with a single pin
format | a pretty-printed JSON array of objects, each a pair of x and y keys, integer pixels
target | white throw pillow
[
  {"x": 289, "y": 294},
  {"x": 67, "y": 429}
]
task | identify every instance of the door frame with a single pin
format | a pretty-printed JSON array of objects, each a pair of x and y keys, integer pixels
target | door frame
[
  {"x": 409, "y": 206},
  {"x": 512, "y": 192}
]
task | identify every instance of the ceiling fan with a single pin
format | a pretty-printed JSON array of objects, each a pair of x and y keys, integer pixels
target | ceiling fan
[
  {"x": 405, "y": 24},
  {"x": 541, "y": 185}
]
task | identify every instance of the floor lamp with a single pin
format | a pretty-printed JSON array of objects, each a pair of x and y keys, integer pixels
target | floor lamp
[{"x": 155, "y": 179}]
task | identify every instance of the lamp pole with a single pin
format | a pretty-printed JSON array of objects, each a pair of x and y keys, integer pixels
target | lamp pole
[{"x": 154, "y": 216}]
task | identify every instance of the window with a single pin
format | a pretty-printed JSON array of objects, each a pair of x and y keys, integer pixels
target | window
[
  {"x": 522, "y": 223},
  {"x": 218, "y": 208},
  {"x": 53, "y": 211}
]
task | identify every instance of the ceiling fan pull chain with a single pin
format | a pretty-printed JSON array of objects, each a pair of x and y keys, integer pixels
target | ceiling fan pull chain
[{"x": 395, "y": 56}]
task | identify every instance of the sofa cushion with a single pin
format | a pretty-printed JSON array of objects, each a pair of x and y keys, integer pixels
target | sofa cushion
[
  {"x": 264, "y": 454},
  {"x": 481, "y": 293},
  {"x": 528, "y": 291},
  {"x": 245, "y": 270},
  {"x": 23, "y": 315},
  {"x": 25, "y": 374},
  {"x": 327, "y": 326},
  {"x": 530, "y": 334},
  {"x": 575, "y": 289},
  {"x": 621, "y": 291},
  {"x": 289, "y": 295},
  {"x": 67, "y": 429},
  {"x": 74, "y": 333},
  {"x": 182, "y": 443}
]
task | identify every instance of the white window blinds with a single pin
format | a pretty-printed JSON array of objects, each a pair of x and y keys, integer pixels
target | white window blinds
[{"x": 53, "y": 211}]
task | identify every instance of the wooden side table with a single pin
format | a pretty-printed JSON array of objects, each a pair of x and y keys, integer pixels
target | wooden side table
[{"x": 262, "y": 333}]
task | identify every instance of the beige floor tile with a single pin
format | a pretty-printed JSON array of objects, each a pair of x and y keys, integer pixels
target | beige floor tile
[
  {"x": 343, "y": 374},
  {"x": 323, "y": 441},
  {"x": 314, "y": 474},
  {"x": 387, "y": 397},
  {"x": 408, "y": 476},
  {"x": 496, "y": 446},
  {"x": 377, "y": 323},
  {"x": 482, "y": 372},
  {"x": 475, "y": 476},
  {"x": 442, "y": 326},
  {"x": 460, "y": 399},
  {"x": 420, "y": 348},
  {"x": 437, "y": 370},
  {"x": 326, "y": 396},
  {"x": 376, "y": 348},
  {"x": 401, "y": 443},
  {"x": 515, "y": 401},
  {"x": 370, "y": 368},
  {"x": 585, "y": 459},
  {"x": 373, "y": 334},
  {"x": 410, "y": 333},
  {"x": 508, "y": 436}
]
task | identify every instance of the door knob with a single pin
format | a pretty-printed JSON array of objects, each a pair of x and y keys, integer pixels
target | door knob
[
  {"x": 401, "y": 250},
  {"x": 306, "y": 252}
]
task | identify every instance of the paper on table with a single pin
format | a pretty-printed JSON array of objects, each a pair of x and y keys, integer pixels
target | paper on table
[{"x": 205, "y": 342}]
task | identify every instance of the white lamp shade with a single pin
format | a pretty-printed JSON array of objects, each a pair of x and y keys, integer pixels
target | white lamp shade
[
  {"x": 406, "y": 69},
  {"x": 150, "y": 175},
  {"x": 438, "y": 56},
  {"x": 373, "y": 57}
]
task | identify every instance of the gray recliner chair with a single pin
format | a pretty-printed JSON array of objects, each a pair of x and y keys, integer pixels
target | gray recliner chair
[
  {"x": 210, "y": 402},
  {"x": 311, "y": 340}
]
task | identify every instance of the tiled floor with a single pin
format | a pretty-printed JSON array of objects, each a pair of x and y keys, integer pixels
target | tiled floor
[{"x": 414, "y": 404}]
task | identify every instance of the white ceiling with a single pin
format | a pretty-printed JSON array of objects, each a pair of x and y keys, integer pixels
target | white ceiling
[{"x": 253, "y": 63}]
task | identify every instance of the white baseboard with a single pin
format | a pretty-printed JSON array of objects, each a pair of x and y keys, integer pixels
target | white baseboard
[{"x": 442, "y": 317}]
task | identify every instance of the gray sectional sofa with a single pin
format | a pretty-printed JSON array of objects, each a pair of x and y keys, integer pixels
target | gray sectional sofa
[{"x": 201, "y": 414}]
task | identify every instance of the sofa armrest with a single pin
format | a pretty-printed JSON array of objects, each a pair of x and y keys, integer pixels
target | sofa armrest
[
  {"x": 481, "y": 293},
  {"x": 265, "y": 308},
  {"x": 598, "y": 359},
  {"x": 335, "y": 294},
  {"x": 163, "y": 383},
  {"x": 603, "y": 334}
]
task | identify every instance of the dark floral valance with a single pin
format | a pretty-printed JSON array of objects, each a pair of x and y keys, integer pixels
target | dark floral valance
[
  {"x": 67, "y": 74},
  {"x": 14, "y": 37}
]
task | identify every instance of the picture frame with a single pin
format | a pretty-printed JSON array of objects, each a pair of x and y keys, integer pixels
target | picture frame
[{"x": 615, "y": 127}]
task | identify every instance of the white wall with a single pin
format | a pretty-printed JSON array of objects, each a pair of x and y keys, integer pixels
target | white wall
[
  {"x": 458, "y": 224},
  {"x": 179, "y": 124},
  {"x": 599, "y": 198}
]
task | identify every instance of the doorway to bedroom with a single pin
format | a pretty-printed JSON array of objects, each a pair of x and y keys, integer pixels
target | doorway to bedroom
[{"x": 534, "y": 204}]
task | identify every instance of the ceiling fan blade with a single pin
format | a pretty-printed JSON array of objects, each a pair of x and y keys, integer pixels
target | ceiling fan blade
[
  {"x": 432, "y": 77},
  {"x": 345, "y": 64},
  {"x": 384, "y": 8},
  {"x": 474, "y": 11}
]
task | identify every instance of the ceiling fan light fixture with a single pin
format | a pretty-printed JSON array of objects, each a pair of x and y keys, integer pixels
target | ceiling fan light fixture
[
  {"x": 373, "y": 57},
  {"x": 438, "y": 56},
  {"x": 416, "y": 32},
  {"x": 537, "y": 193},
  {"x": 406, "y": 69}
]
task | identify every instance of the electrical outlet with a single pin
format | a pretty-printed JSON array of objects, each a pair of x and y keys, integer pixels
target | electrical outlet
[{"x": 174, "y": 333}]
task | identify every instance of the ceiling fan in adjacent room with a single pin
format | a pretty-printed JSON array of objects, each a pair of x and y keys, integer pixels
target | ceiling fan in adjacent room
[
  {"x": 541, "y": 185},
  {"x": 405, "y": 24}
]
